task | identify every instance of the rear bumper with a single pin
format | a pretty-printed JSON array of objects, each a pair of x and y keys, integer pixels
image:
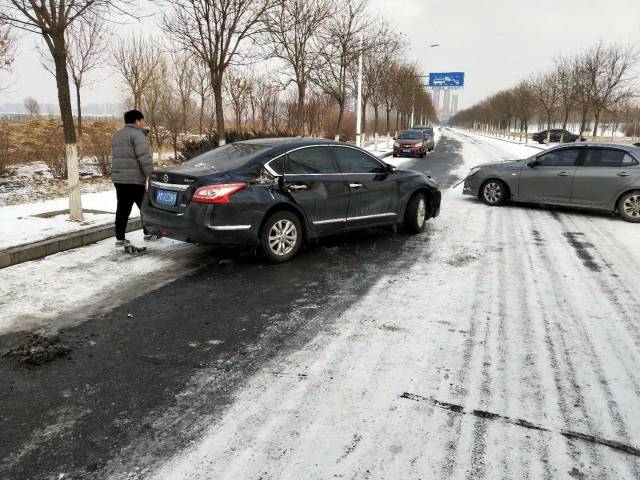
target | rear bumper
[{"x": 206, "y": 224}]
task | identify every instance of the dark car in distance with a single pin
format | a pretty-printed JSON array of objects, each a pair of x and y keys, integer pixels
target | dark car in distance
[
  {"x": 412, "y": 143},
  {"x": 556, "y": 135},
  {"x": 276, "y": 193}
]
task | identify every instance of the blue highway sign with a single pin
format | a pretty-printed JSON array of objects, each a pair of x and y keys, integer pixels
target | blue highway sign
[{"x": 446, "y": 80}]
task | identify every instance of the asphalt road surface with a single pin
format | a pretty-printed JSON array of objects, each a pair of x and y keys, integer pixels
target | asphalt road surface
[
  {"x": 130, "y": 366},
  {"x": 500, "y": 343}
]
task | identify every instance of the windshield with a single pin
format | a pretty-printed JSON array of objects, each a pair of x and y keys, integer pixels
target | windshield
[
  {"x": 229, "y": 157},
  {"x": 410, "y": 135}
]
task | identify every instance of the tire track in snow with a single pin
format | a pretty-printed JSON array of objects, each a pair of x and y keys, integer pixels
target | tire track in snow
[{"x": 569, "y": 327}]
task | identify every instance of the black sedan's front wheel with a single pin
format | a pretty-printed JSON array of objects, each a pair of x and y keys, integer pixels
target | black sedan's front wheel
[
  {"x": 281, "y": 236},
  {"x": 493, "y": 192},
  {"x": 416, "y": 214}
]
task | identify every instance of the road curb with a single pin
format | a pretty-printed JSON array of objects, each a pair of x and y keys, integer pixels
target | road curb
[{"x": 33, "y": 251}]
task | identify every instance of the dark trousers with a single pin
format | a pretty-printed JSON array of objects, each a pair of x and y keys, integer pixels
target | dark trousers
[{"x": 127, "y": 195}]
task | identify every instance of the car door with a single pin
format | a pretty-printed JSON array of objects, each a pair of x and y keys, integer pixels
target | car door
[
  {"x": 373, "y": 189},
  {"x": 602, "y": 175},
  {"x": 311, "y": 179},
  {"x": 549, "y": 177}
]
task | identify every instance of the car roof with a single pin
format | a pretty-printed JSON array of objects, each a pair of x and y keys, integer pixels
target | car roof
[
  {"x": 289, "y": 141},
  {"x": 621, "y": 146}
]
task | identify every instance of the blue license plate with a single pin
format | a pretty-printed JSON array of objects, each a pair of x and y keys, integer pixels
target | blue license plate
[{"x": 166, "y": 197}]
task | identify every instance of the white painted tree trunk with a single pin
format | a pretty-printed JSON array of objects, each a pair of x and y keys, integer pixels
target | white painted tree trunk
[{"x": 73, "y": 182}]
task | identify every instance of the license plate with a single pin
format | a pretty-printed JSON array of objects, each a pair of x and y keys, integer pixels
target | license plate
[
  {"x": 166, "y": 197},
  {"x": 406, "y": 150}
]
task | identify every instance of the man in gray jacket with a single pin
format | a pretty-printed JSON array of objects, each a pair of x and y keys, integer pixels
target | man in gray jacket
[{"x": 132, "y": 163}]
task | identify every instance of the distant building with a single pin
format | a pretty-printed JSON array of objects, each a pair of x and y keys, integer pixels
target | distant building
[{"x": 454, "y": 104}]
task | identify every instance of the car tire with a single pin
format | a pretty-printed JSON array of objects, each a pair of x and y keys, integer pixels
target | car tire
[
  {"x": 416, "y": 213},
  {"x": 629, "y": 206},
  {"x": 281, "y": 236},
  {"x": 423, "y": 154},
  {"x": 493, "y": 192},
  {"x": 395, "y": 155}
]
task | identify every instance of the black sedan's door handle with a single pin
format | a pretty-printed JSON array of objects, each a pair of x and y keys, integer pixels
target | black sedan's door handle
[
  {"x": 355, "y": 185},
  {"x": 297, "y": 187},
  {"x": 624, "y": 174},
  {"x": 563, "y": 174}
]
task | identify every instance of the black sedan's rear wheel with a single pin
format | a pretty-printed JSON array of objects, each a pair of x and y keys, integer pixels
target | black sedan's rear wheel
[
  {"x": 493, "y": 192},
  {"x": 416, "y": 214},
  {"x": 281, "y": 236},
  {"x": 629, "y": 207}
]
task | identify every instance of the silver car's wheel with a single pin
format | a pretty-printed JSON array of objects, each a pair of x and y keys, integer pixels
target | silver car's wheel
[
  {"x": 629, "y": 207},
  {"x": 494, "y": 192}
]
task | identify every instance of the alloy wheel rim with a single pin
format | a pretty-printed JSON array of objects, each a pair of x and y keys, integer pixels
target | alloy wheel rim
[
  {"x": 492, "y": 192},
  {"x": 632, "y": 206},
  {"x": 422, "y": 212},
  {"x": 283, "y": 237}
]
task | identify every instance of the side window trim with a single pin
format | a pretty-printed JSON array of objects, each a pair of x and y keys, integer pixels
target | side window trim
[
  {"x": 271, "y": 171},
  {"x": 614, "y": 149},
  {"x": 579, "y": 159},
  {"x": 376, "y": 159}
]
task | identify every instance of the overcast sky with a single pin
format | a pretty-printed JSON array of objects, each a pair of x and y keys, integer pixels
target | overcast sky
[{"x": 495, "y": 42}]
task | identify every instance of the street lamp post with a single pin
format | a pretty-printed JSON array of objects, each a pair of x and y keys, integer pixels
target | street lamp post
[{"x": 413, "y": 103}]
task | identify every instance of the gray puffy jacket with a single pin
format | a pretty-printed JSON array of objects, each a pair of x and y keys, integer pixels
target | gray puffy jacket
[{"x": 131, "y": 156}]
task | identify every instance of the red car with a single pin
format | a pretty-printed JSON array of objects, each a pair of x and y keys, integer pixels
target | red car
[{"x": 411, "y": 143}]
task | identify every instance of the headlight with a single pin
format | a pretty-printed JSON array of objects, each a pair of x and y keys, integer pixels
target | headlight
[
  {"x": 396, "y": 144},
  {"x": 473, "y": 171}
]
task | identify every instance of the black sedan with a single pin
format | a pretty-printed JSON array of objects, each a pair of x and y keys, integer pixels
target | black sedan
[
  {"x": 556, "y": 135},
  {"x": 276, "y": 193}
]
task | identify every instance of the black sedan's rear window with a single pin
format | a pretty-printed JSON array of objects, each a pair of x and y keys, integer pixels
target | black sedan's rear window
[{"x": 230, "y": 156}]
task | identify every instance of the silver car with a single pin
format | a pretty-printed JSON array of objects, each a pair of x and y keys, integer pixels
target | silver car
[{"x": 598, "y": 176}]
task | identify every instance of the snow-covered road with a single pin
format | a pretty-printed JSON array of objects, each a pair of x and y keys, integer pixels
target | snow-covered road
[{"x": 510, "y": 349}]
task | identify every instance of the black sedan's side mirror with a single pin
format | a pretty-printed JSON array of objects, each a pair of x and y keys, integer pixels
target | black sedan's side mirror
[
  {"x": 390, "y": 168},
  {"x": 534, "y": 163}
]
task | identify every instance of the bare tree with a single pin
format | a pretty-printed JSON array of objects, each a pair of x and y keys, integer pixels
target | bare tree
[
  {"x": 342, "y": 43},
  {"x": 87, "y": 42},
  {"x": 32, "y": 106},
  {"x": 237, "y": 88},
  {"x": 7, "y": 50},
  {"x": 153, "y": 102},
  {"x": 546, "y": 91},
  {"x": 202, "y": 88},
  {"x": 51, "y": 20},
  {"x": 294, "y": 28},
  {"x": 524, "y": 102},
  {"x": 215, "y": 31},
  {"x": 568, "y": 92},
  {"x": 184, "y": 81},
  {"x": 136, "y": 59},
  {"x": 609, "y": 75}
]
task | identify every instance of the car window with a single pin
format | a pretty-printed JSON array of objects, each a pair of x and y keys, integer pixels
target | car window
[
  {"x": 603, "y": 157},
  {"x": 559, "y": 158},
  {"x": 351, "y": 160},
  {"x": 230, "y": 156},
  {"x": 313, "y": 160},
  {"x": 628, "y": 161},
  {"x": 410, "y": 135}
]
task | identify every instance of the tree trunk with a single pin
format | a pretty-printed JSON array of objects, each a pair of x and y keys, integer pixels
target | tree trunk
[
  {"x": 59, "y": 53},
  {"x": 201, "y": 120},
  {"x": 388, "y": 121},
  {"x": 79, "y": 107},
  {"x": 302, "y": 87},
  {"x": 596, "y": 121},
  {"x": 340, "y": 117},
  {"x": 376, "y": 116},
  {"x": 216, "y": 86}
]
